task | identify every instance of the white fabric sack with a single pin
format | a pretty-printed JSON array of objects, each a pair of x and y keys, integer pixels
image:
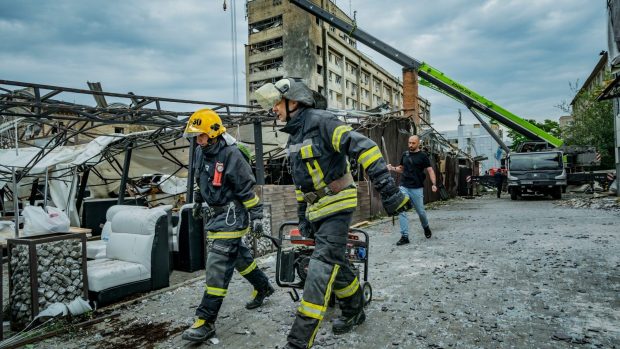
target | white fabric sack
[
  {"x": 37, "y": 221},
  {"x": 7, "y": 227}
]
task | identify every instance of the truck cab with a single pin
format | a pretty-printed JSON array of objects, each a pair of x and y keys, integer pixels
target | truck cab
[{"x": 536, "y": 173}]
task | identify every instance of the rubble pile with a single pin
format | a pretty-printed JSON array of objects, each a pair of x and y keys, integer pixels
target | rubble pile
[
  {"x": 600, "y": 203},
  {"x": 59, "y": 277}
]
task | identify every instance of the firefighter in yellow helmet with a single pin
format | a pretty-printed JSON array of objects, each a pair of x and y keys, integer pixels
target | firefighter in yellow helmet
[
  {"x": 320, "y": 147},
  {"x": 225, "y": 181}
]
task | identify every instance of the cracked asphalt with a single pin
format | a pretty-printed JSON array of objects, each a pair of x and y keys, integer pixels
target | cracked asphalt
[{"x": 496, "y": 274}]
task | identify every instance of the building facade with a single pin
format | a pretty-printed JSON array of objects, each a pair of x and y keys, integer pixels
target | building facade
[
  {"x": 476, "y": 141},
  {"x": 284, "y": 40}
]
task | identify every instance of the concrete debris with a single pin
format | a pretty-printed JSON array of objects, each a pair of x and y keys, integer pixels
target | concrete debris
[
  {"x": 496, "y": 274},
  {"x": 599, "y": 202}
]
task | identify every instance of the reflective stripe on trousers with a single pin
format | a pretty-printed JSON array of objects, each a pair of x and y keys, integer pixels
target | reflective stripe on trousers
[
  {"x": 224, "y": 256},
  {"x": 328, "y": 270}
]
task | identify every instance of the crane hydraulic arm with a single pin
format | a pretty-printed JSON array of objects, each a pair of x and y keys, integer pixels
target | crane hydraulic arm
[{"x": 433, "y": 78}]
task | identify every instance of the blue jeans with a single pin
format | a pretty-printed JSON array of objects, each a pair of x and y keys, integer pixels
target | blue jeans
[{"x": 416, "y": 195}]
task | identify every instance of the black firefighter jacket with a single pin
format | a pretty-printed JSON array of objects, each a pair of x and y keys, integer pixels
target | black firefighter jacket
[
  {"x": 231, "y": 201},
  {"x": 319, "y": 148}
]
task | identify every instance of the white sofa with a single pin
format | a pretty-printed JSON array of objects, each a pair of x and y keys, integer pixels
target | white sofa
[
  {"x": 96, "y": 249},
  {"x": 136, "y": 255}
]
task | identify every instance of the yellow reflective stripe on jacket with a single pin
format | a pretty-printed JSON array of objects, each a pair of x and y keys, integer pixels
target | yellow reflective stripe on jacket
[
  {"x": 306, "y": 152},
  {"x": 316, "y": 173},
  {"x": 328, "y": 292},
  {"x": 249, "y": 269},
  {"x": 299, "y": 195},
  {"x": 327, "y": 205},
  {"x": 330, "y": 199},
  {"x": 402, "y": 203},
  {"x": 369, "y": 156},
  {"x": 227, "y": 234},
  {"x": 252, "y": 202},
  {"x": 337, "y": 136},
  {"x": 312, "y": 310},
  {"x": 333, "y": 208},
  {"x": 216, "y": 291},
  {"x": 349, "y": 290}
]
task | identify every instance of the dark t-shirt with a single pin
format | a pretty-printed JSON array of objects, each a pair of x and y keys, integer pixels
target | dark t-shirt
[{"x": 413, "y": 169}]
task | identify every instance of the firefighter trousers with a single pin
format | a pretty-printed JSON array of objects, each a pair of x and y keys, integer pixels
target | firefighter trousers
[
  {"x": 329, "y": 271},
  {"x": 224, "y": 256}
]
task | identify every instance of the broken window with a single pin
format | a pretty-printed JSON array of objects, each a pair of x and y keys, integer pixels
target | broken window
[
  {"x": 268, "y": 64},
  {"x": 264, "y": 46},
  {"x": 265, "y": 24},
  {"x": 319, "y": 50},
  {"x": 364, "y": 78},
  {"x": 338, "y": 79},
  {"x": 338, "y": 61},
  {"x": 319, "y": 69}
]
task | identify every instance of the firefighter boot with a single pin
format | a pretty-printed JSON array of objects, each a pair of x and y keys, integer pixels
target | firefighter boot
[
  {"x": 344, "y": 324},
  {"x": 200, "y": 331},
  {"x": 259, "y": 298}
]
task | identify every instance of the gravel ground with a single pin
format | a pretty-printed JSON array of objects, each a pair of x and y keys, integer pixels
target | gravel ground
[{"x": 496, "y": 274}]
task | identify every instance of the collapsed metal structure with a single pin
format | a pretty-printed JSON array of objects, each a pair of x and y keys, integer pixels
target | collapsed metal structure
[{"x": 32, "y": 116}]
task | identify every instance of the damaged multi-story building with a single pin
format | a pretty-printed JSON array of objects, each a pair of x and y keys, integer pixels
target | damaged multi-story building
[{"x": 283, "y": 40}]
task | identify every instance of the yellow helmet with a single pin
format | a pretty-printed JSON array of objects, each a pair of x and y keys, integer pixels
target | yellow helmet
[{"x": 204, "y": 121}]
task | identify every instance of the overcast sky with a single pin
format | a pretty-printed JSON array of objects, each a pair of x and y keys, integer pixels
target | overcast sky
[{"x": 521, "y": 54}]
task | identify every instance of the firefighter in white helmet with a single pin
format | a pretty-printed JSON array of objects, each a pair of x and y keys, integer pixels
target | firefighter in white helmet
[{"x": 319, "y": 148}]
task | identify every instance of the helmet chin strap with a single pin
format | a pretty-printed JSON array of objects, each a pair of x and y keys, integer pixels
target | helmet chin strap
[
  {"x": 288, "y": 111},
  {"x": 210, "y": 142}
]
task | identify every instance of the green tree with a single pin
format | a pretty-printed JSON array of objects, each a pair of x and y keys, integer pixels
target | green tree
[
  {"x": 549, "y": 126},
  {"x": 593, "y": 125}
]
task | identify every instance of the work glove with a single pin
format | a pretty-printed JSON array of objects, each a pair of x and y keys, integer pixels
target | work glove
[
  {"x": 256, "y": 229},
  {"x": 394, "y": 201},
  {"x": 305, "y": 228}
]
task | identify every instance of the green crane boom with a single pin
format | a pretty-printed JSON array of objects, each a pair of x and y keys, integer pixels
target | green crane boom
[{"x": 433, "y": 78}]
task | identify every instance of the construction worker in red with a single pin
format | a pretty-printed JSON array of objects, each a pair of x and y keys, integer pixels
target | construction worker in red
[
  {"x": 319, "y": 149},
  {"x": 232, "y": 210}
]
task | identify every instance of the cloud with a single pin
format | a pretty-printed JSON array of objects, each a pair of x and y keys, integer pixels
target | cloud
[{"x": 520, "y": 54}]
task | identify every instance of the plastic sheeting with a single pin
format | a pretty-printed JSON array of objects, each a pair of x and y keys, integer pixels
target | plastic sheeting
[{"x": 63, "y": 161}]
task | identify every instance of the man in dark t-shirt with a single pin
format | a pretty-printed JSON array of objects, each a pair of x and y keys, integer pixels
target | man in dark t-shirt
[{"x": 412, "y": 165}]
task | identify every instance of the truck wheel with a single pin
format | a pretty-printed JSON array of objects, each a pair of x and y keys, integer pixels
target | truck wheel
[
  {"x": 557, "y": 193},
  {"x": 513, "y": 195}
]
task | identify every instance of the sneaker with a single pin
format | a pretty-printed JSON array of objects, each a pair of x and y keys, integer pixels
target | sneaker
[
  {"x": 345, "y": 324},
  {"x": 427, "y": 232},
  {"x": 200, "y": 331},
  {"x": 403, "y": 240},
  {"x": 259, "y": 298}
]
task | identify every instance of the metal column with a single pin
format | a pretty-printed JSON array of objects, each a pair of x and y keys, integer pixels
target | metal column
[
  {"x": 83, "y": 183},
  {"x": 121, "y": 189},
  {"x": 258, "y": 150},
  {"x": 190, "y": 171},
  {"x": 15, "y": 202}
]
